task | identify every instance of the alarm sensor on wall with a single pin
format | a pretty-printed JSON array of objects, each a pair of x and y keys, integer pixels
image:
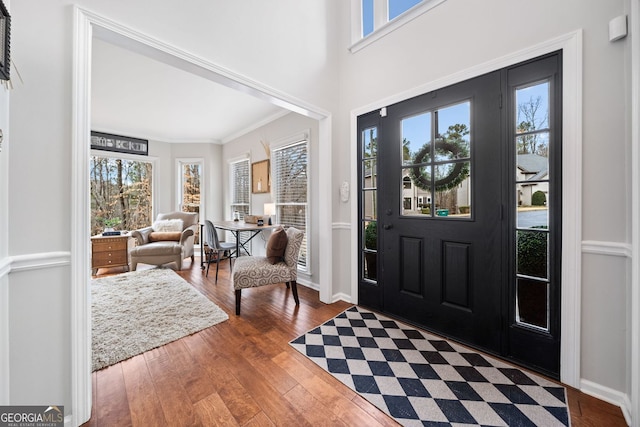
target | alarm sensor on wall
[{"x": 618, "y": 28}]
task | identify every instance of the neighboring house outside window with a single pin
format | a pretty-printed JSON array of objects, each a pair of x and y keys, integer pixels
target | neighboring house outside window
[{"x": 291, "y": 191}]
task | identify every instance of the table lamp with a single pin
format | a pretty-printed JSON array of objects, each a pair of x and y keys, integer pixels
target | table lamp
[{"x": 269, "y": 209}]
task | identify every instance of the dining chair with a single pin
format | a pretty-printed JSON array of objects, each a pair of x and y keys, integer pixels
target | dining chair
[{"x": 221, "y": 250}]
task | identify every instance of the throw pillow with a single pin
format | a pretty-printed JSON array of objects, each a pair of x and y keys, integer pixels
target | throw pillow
[
  {"x": 276, "y": 245},
  {"x": 162, "y": 236},
  {"x": 168, "y": 225}
]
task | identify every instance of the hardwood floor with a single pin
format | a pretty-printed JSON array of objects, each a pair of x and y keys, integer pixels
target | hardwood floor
[{"x": 243, "y": 372}]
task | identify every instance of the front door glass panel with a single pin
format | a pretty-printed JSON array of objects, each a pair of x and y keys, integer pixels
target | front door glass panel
[{"x": 436, "y": 177}]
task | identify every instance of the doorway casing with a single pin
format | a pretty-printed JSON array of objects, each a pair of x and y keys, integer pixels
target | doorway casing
[
  {"x": 571, "y": 46},
  {"x": 86, "y": 26}
]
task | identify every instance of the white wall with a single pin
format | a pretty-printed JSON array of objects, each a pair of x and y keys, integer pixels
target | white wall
[
  {"x": 456, "y": 36},
  {"x": 4, "y": 243},
  {"x": 298, "y": 48},
  {"x": 290, "y": 125},
  {"x": 287, "y": 45}
]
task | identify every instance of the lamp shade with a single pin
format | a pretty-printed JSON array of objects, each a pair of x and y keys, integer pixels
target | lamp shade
[{"x": 269, "y": 208}]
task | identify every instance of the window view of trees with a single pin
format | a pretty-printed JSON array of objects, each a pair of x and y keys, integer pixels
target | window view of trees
[
  {"x": 120, "y": 194},
  {"x": 532, "y": 186},
  {"x": 191, "y": 187},
  {"x": 191, "y": 181},
  {"x": 291, "y": 191},
  {"x": 533, "y": 115}
]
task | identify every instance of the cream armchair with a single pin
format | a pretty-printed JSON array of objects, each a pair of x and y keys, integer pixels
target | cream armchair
[{"x": 170, "y": 239}]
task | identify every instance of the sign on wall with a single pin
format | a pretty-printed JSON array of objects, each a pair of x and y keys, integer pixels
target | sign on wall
[{"x": 119, "y": 143}]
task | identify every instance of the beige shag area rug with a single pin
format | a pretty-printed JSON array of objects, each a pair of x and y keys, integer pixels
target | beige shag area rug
[{"x": 138, "y": 311}]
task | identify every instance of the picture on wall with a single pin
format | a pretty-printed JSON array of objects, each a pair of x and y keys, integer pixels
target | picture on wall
[
  {"x": 119, "y": 143},
  {"x": 260, "y": 182}
]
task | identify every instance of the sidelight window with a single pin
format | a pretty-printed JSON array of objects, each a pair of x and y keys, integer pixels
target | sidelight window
[
  {"x": 369, "y": 215},
  {"x": 532, "y": 195}
]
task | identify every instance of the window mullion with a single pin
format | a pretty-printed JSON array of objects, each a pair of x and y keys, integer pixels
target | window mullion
[{"x": 380, "y": 13}]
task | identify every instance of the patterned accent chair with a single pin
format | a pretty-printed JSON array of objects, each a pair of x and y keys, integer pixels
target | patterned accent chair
[
  {"x": 163, "y": 250},
  {"x": 255, "y": 271}
]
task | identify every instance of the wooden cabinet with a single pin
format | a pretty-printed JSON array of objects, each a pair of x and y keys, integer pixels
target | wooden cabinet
[{"x": 110, "y": 251}]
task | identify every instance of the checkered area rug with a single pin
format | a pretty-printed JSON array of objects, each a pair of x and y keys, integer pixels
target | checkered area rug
[{"x": 422, "y": 380}]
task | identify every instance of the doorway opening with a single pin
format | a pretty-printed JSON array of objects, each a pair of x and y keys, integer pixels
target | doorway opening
[{"x": 87, "y": 26}]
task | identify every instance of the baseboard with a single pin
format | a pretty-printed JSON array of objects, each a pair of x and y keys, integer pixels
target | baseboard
[
  {"x": 341, "y": 296},
  {"x": 336, "y": 297},
  {"x": 307, "y": 283},
  {"x": 609, "y": 395}
]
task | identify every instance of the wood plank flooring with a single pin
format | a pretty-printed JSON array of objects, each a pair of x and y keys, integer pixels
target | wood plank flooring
[{"x": 243, "y": 372}]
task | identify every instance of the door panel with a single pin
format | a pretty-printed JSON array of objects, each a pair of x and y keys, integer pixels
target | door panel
[
  {"x": 441, "y": 267},
  {"x": 411, "y": 258},
  {"x": 457, "y": 283}
]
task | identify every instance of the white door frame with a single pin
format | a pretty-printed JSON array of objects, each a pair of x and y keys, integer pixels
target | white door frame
[
  {"x": 635, "y": 213},
  {"x": 571, "y": 46},
  {"x": 87, "y": 25}
]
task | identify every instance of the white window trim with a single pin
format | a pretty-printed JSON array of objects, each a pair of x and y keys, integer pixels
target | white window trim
[
  {"x": 180, "y": 161},
  {"x": 381, "y": 25},
  {"x": 279, "y": 145}
]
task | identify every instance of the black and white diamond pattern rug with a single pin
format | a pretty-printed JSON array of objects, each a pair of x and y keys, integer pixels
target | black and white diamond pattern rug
[{"x": 420, "y": 379}]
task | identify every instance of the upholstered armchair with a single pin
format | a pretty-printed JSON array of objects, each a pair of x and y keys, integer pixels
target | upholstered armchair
[
  {"x": 169, "y": 239},
  {"x": 255, "y": 271}
]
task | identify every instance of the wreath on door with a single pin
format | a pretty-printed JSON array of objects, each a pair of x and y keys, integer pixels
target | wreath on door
[{"x": 458, "y": 174}]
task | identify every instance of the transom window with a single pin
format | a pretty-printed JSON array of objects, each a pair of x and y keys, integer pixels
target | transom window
[
  {"x": 389, "y": 9},
  {"x": 372, "y": 19}
]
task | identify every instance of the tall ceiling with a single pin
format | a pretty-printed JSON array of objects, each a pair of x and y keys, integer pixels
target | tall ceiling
[{"x": 134, "y": 95}]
